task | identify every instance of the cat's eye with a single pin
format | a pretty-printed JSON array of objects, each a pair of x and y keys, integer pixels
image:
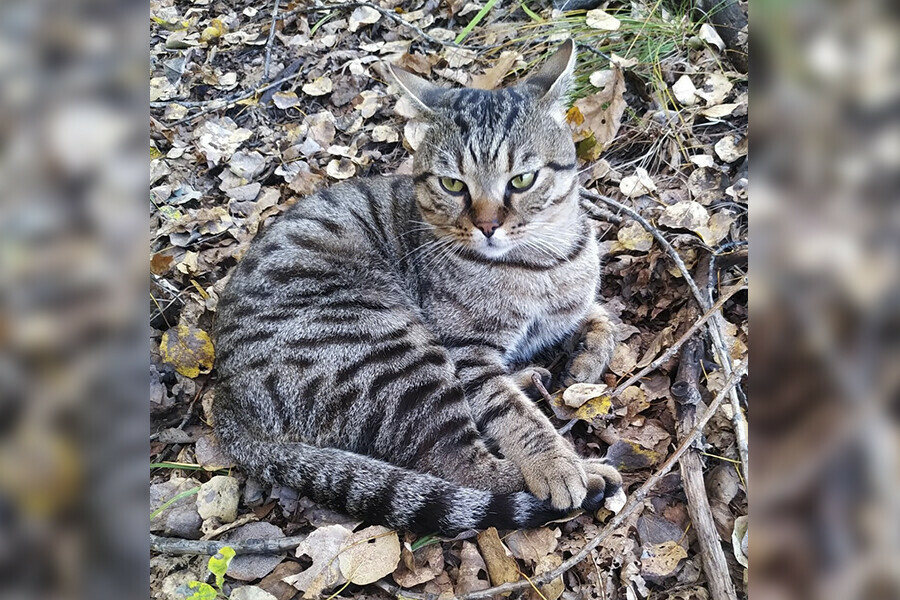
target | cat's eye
[
  {"x": 453, "y": 186},
  {"x": 522, "y": 182}
]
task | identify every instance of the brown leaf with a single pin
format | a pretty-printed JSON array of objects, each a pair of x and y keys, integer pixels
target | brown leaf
[
  {"x": 531, "y": 545},
  {"x": 601, "y": 113},
  {"x": 369, "y": 555},
  {"x": 471, "y": 568},
  {"x": 420, "y": 566},
  {"x": 555, "y": 587},
  {"x": 492, "y": 77},
  {"x": 661, "y": 560},
  {"x": 502, "y": 567}
]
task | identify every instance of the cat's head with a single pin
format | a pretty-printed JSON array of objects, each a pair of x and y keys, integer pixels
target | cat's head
[{"x": 496, "y": 170}]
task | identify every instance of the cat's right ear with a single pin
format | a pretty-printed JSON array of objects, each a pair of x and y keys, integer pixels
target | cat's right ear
[{"x": 425, "y": 94}]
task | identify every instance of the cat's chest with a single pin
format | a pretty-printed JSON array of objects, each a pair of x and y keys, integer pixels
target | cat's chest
[{"x": 521, "y": 310}]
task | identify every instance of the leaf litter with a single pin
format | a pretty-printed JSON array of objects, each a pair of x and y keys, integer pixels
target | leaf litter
[{"x": 659, "y": 124}]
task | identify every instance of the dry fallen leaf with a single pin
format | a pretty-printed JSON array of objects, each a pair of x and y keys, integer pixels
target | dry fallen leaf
[
  {"x": 638, "y": 184},
  {"x": 341, "y": 168},
  {"x": 492, "y": 77},
  {"x": 531, "y": 545},
  {"x": 420, "y": 566},
  {"x": 598, "y": 116},
  {"x": 730, "y": 148},
  {"x": 363, "y": 15},
  {"x": 188, "y": 349},
  {"x": 322, "y": 546},
  {"x": 709, "y": 35},
  {"x": 318, "y": 87},
  {"x": 369, "y": 555},
  {"x": 501, "y": 566},
  {"x": 661, "y": 560},
  {"x": 600, "y": 19},
  {"x": 473, "y": 573},
  {"x": 633, "y": 236},
  {"x": 685, "y": 215},
  {"x": 555, "y": 587},
  {"x": 684, "y": 91},
  {"x": 285, "y": 100},
  {"x": 579, "y": 393}
]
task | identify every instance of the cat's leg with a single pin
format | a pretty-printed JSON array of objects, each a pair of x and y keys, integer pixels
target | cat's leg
[
  {"x": 523, "y": 433},
  {"x": 524, "y": 378},
  {"x": 595, "y": 349}
]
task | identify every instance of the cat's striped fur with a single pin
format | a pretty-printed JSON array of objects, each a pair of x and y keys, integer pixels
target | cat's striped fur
[{"x": 365, "y": 342}]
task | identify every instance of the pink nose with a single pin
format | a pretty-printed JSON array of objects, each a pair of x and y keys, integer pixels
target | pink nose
[{"x": 488, "y": 227}]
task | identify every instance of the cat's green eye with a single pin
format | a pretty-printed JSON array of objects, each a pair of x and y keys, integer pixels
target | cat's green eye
[
  {"x": 453, "y": 186},
  {"x": 522, "y": 182}
]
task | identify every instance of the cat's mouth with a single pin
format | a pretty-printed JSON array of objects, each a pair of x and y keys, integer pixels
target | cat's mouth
[{"x": 494, "y": 246}]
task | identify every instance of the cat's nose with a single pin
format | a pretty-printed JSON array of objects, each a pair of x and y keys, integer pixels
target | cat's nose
[{"x": 488, "y": 227}]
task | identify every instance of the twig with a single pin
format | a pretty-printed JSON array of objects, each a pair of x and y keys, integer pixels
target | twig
[
  {"x": 686, "y": 392},
  {"x": 635, "y": 502},
  {"x": 670, "y": 352},
  {"x": 713, "y": 327},
  {"x": 270, "y": 40},
  {"x": 166, "y": 545}
]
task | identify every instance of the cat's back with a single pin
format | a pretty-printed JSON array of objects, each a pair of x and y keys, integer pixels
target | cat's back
[{"x": 344, "y": 237}]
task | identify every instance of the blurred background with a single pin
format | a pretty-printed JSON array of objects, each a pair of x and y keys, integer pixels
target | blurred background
[
  {"x": 825, "y": 230},
  {"x": 825, "y": 445}
]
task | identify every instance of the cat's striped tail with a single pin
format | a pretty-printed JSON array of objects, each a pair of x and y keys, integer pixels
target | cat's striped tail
[{"x": 381, "y": 493}]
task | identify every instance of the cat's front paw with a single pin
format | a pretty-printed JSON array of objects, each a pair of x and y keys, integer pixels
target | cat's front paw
[
  {"x": 525, "y": 380},
  {"x": 559, "y": 476},
  {"x": 587, "y": 367},
  {"x": 604, "y": 484}
]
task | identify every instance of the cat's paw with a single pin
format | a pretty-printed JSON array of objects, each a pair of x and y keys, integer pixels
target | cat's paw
[
  {"x": 604, "y": 484},
  {"x": 588, "y": 365},
  {"x": 524, "y": 379},
  {"x": 559, "y": 476}
]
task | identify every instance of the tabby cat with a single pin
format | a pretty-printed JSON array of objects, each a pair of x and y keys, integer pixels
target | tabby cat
[{"x": 366, "y": 342}]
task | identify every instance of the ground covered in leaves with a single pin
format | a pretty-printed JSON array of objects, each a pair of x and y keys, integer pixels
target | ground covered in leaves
[{"x": 660, "y": 118}]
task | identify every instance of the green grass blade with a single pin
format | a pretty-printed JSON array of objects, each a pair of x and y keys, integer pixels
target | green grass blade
[
  {"x": 531, "y": 14},
  {"x": 175, "y": 465},
  {"x": 169, "y": 503},
  {"x": 474, "y": 22}
]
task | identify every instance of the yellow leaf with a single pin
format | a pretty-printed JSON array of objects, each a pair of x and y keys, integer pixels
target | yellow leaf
[
  {"x": 188, "y": 349},
  {"x": 595, "y": 407}
]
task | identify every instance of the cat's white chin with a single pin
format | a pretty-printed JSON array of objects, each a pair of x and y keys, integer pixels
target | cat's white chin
[{"x": 495, "y": 246}]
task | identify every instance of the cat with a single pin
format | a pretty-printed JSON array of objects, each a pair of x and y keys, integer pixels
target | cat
[{"x": 366, "y": 342}]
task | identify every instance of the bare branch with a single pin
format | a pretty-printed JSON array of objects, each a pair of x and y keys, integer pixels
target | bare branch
[
  {"x": 270, "y": 40},
  {"x": 166, "y": 545}
]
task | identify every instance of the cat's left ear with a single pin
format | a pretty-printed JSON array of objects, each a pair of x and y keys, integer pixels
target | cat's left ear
[
  {"x": 425, "y": 94},
  {"x": 554, "y": 79}
]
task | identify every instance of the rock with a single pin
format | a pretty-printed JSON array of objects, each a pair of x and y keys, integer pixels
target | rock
[
  {"x": 250, "y": 592},
  {"x": 210, "y": 455},
  {"x": 171, "y": 584},
  {"x": 218, "y": 498},
  {"x": 249, "y": 567},
  {"x": 180, "y": 519}
]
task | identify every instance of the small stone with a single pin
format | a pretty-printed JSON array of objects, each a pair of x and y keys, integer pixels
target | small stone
[
  {"x": 218, "y": 498},
  {"x": 250, "y": 567},
  {"x": 251, "y": 592},
  {"x": 179, "y": 514}
]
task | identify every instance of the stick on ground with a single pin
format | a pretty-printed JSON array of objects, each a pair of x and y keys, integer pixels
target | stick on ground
[{"x": 686, "y": 392}]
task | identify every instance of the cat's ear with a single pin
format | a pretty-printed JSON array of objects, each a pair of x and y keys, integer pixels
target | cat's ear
[
  {"x": 423, "y": 93},
  {"x": 554, "y": 79}
]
